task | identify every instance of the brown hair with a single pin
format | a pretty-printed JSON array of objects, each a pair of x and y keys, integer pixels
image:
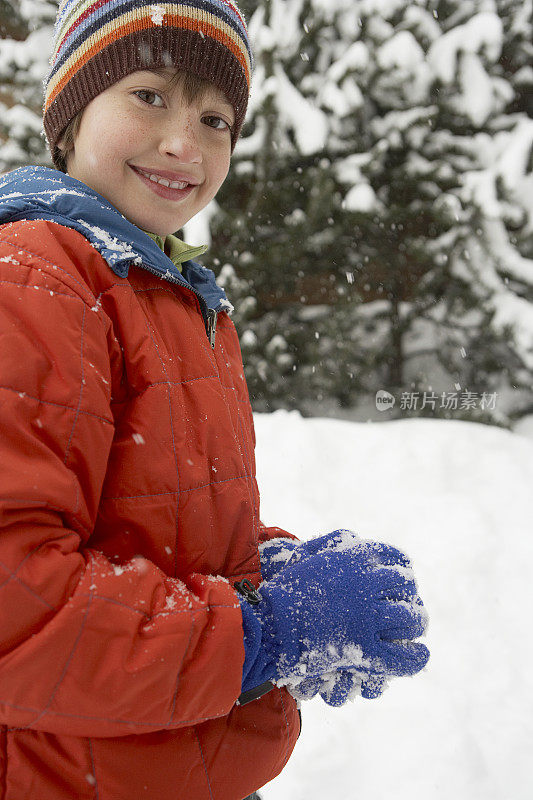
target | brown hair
[
  {"x": 67, "y": 142},
  {"x": 193, "y": 88}
]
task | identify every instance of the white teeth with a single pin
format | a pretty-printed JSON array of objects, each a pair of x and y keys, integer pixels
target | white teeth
[{"x": 165, "y": 181}]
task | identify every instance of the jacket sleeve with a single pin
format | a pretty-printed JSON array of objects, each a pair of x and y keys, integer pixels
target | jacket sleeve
[
  {"x": 86, "y": 648},
  {"x": 267, "y": 533}
]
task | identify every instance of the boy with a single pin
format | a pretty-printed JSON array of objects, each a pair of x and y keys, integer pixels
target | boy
[{"x": 138, "y": 657}]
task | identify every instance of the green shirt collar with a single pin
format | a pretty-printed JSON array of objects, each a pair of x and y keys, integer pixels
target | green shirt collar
[{"x": 176, "y": 250}]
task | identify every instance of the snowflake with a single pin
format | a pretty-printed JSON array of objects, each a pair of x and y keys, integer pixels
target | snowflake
[{"x": 158, "y": 14}]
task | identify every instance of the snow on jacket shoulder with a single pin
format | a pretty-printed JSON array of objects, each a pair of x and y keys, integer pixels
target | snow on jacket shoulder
[{"x": 128, "y": 507}]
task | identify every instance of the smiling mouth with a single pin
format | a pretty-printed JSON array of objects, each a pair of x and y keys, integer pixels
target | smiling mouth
[
  {"x": 163, "y": 186},
  {"x": 163, "y": 181}
]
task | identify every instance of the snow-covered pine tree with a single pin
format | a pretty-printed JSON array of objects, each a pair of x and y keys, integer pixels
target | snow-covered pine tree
[
  {"x": 281, "y": 216},
  {"x": 12, "y": 24},
  {"x": 517, "y": 51},
  {"x": 434, "y": 251},
  {"x": 419, "y": 202},
  {"x": 346, "y": 200},
  {"x": 25, "y": 40},
  {"x": 394, "y": 184},
  {"x": 487, "y": 303}
]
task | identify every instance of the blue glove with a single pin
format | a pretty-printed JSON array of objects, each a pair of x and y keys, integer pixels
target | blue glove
[
  {"x": 276, "y": 553},
  {"x": 340, "y": 608},
  {"x": 336, "y": 688},
  {"x": 336, "y": 540},
  {"x": 273, "y": 555}
]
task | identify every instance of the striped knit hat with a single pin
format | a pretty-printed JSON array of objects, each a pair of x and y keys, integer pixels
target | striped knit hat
[{"x": 99, "y": 42}]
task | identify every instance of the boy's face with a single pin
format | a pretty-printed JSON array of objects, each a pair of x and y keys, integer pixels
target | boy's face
[{"x": 156, "y": 157}]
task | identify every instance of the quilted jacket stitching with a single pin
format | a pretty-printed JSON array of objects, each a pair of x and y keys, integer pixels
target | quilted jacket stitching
[
  {"x": 4, "y": 744},
  {"x": 45, "y": 504},
  {"x": 12, "y": 576},
  {"x": 55, "y": 267},
  {"x": 152, "y": 617},
  {"x": 174, "y": 491},
  {"x": 23, "y": 394},
  {"x": 178, "y": 673},
  {"x": 254, "y": 494},
  {"x": 176, "y": 464},
  {"x": 82, "y": 383},
  {"x": 43, "y": 712},
  {"x": 204, "y": 764},
  {"x": 37, "y": 288},
  {"x": 93, "y": 770},
  {"x": 287, "y": 728},
  {"x": 152, "y": 724},
  {"x": 241, "y": 443}
]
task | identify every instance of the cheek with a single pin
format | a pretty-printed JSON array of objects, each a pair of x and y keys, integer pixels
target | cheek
[
  {"x": 115, "y": 137},
  {"x": 93, "y": 160},
  {"x": 220, "y": 169}
]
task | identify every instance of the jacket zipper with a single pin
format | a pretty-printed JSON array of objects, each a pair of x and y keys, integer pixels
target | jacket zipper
[
  {"x": 212, "y": 317},
  {"x": 209, "y": 315}
]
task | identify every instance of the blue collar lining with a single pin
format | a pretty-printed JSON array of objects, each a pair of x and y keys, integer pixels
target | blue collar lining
[{"x": 40, "y": 193}]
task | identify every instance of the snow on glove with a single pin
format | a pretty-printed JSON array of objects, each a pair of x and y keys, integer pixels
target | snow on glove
[
  {"x": 277, "y": 553},
  {"x": 345, "y": 685},
  {"x": 337, "y": 688},
  {"x": 338, "y": 608},
  {"x": 274, "y": 554},
  {"x": 336, "y": 540}
]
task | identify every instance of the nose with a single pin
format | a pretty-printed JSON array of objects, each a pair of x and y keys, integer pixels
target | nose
[{"x": 180, "y": 141}]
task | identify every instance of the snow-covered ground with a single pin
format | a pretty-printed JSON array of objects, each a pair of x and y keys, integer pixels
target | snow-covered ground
[{"x": 457, "y": 496}]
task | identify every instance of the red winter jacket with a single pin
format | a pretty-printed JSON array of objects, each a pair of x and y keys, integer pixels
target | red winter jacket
[{"x": 128, "y": 507}]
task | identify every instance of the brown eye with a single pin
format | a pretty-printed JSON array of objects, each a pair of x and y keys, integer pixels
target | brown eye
[
  {"x": 216, "y": 122},
  {"x": 150, "y": 98}
]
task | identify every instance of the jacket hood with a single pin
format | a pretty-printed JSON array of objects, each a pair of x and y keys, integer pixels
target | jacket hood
[{"x": 40, "y": 193}]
